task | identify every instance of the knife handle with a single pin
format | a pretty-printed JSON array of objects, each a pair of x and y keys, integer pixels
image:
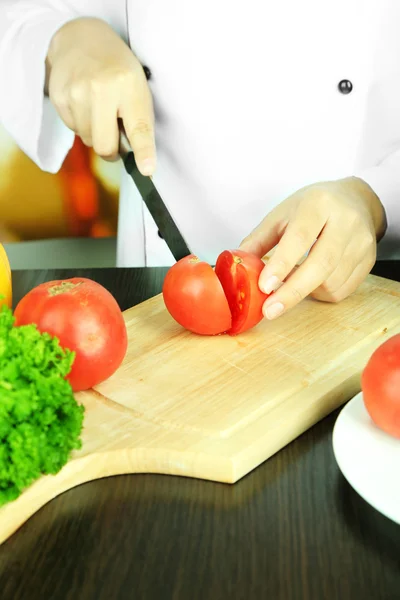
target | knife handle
[
  {"x": 152, "y": 199},
  {"x": 124, "y": 145}
]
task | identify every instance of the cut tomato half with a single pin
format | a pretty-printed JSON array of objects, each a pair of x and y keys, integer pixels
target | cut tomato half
[
  {"x": 239, "y": 273},
  {"x": 195, "y": 298}
]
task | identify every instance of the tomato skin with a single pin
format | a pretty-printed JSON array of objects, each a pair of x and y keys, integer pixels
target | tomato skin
[
  {"x": 194, "y": 297},
  {"x": 86, "y": 318},
  {"x": 380, "y": 384},
  {"x": 239, "y": 273}
]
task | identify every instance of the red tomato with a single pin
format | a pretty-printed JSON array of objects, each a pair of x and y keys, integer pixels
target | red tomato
[
  {"x": 380, "y": 384},
  {"x": 86, "y": 318},
  {"x": 195, "y": 298},
  {"x": 208, "y": 302}
]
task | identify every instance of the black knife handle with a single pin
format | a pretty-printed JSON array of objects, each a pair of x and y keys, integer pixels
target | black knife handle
[{"x": 124, "y": 145}]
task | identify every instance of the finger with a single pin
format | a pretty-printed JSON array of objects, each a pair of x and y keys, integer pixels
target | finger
[
  {"x": 353, "y": 256},
  {"x": 298, "y": 238},
  {"x": 266, "y": 235},
  {"x": 62, "y": 106},
  {"x": 322, "y": 260},
  {"x": 137, "y": 115},
  {"x": 348, "y": 286},
  {"x": 105, "y": 132},
  {"x": 83, "y": 122},
  {"x": 66, "y": 115}
]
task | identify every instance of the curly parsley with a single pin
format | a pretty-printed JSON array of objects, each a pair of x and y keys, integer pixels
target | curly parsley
[{"x": 40, "y": 420}]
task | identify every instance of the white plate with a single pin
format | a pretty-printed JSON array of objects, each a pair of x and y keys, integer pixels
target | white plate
[{"x": 368, "y": 458}]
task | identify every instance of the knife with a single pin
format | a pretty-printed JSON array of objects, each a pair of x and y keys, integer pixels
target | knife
[{"x": 162, "y": 218}]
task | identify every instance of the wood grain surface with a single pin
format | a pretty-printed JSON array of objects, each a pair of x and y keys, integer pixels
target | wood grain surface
[{"x": 290, "y": 529}]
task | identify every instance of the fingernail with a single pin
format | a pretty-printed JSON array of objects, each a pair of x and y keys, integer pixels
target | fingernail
[
  {"x": 273, "y": 311},
  {"x": 147, "y": 166},
  {"x": 270, "y": 285}
]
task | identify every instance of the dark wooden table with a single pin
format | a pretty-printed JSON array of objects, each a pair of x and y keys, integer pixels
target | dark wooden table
[{"x": 292, "y": 529}]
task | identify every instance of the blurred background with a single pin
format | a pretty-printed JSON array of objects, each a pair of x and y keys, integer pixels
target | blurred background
[{"x": 64, "y": 220}]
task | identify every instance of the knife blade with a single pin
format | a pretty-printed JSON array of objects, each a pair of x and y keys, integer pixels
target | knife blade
[{"x": 155, "y": 204}]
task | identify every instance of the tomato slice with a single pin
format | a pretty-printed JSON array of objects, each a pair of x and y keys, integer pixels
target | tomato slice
[
  {"x": 239, "y": 273},
  {"x": 194, "y": 297}
]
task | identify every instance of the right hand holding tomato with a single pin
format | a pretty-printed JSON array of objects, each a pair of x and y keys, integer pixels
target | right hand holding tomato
[{"x": 93, "y": 78}]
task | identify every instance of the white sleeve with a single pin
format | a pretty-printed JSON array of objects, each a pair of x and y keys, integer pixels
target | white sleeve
[
  {"x": 384, "y": 179},
  {"x": 26, "y": 29}
]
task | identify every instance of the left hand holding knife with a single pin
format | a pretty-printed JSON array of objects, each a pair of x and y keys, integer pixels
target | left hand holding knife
[{"x": 98, "y": 85}]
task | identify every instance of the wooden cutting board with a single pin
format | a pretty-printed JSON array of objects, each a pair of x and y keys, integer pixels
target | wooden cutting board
[{"x": 216, "y": 407}]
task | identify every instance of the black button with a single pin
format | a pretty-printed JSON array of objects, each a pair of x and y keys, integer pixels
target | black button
[
  {"x": 147, "y": 72},
  {"x": 345, "y": 86},
  {"x": 159, "y": 235}
]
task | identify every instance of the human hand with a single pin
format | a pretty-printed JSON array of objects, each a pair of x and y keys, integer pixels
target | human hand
[
  {"x": 93, "y": 79},
  {"x": 339, "y": 223}
]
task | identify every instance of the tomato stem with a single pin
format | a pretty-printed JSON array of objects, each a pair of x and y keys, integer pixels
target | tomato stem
[{"x": 65, "y": 286}]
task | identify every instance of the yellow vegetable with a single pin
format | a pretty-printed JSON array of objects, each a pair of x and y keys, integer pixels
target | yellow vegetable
[{"x": 5, "y": 279}]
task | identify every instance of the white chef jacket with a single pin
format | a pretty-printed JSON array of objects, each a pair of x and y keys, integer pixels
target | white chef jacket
[{"x": 247, "y": 103}]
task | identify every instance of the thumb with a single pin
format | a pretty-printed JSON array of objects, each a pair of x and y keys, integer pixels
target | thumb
[{"x": 137, "y": 113}]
